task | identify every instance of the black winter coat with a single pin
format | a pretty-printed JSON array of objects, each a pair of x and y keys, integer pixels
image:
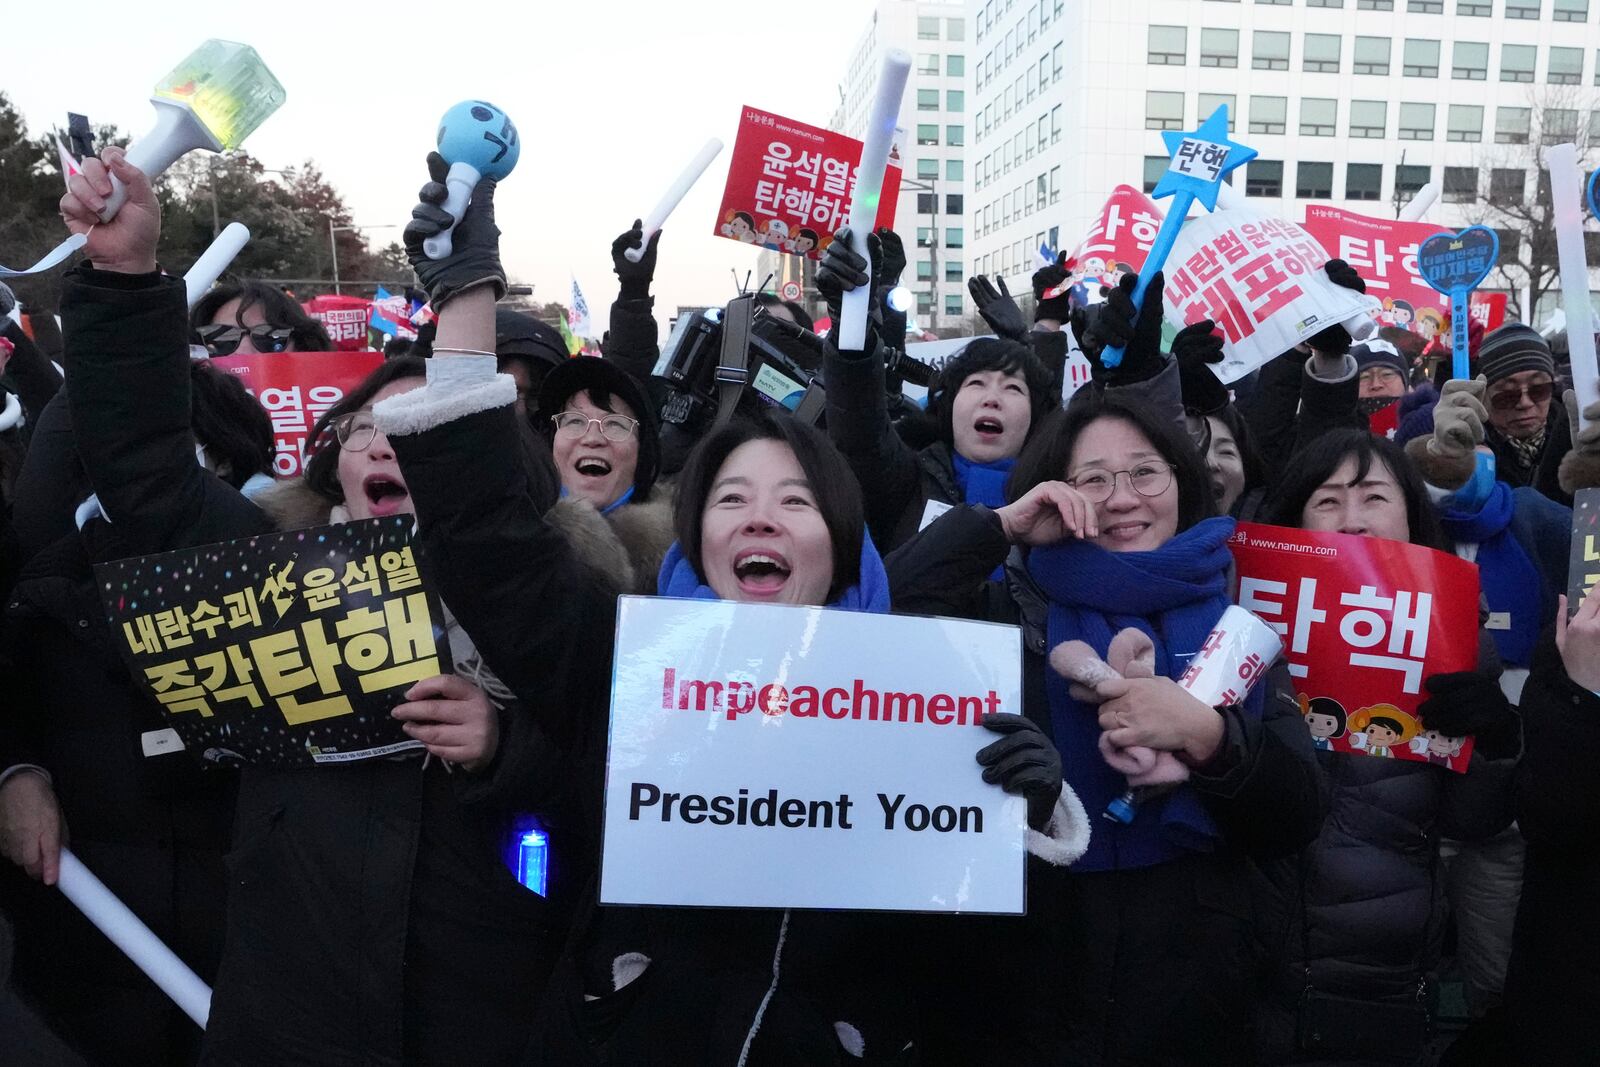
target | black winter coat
[
  {"x": 1543, "y": 470},
  {"x": 1146, "y": 966},
  {"x": 1290, "y": 407}
]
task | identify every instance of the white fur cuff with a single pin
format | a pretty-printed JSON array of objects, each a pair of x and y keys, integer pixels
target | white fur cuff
[
  {"x": 1066, "y": 837},
  {"x": 440, "y": 402}
]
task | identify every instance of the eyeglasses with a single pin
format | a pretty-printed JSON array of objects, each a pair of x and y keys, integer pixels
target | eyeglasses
[
  {"x": 576, "y": 424},
  {"x": 355, "y": 430},
  {"x": 1507, "y": 399},
  {"x": 221, "y": 339},
  {"x": 1147, "y": 479},
  {"x": 1374, "y": 375}
]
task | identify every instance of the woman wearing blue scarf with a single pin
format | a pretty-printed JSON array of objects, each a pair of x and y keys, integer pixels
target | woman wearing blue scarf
[{"x": 1142, "y": 945}]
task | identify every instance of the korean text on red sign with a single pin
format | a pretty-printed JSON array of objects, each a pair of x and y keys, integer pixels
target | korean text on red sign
[{"x": 297, "y": 389}]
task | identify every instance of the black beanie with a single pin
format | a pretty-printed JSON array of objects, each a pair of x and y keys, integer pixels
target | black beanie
[
  {"x": 1379, "y": 353},
  {"x": 1512, "y": 349}
]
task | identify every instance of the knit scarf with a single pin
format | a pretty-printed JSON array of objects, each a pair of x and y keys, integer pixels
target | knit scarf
[
  {"x": 1511, "y": 583},
  {"x": 870, "y": 593},
  {"x": 1175, "y": 594},
  {"x": 982, "y": 483},
  {"x": 1526, "y": 449}
]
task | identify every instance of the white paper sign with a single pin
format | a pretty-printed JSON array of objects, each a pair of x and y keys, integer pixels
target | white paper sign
[{"x": 790, "y": 757}]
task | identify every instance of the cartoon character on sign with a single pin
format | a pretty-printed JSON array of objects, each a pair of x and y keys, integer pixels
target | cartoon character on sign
[
  {"x": 741, "y": 226},
  {"x": 805, "y": 240},
  {"x": 1117, "y": 271},
  {"x": 1439, "y": 748},
  {"x": 1325, "y": 718},
  {"x": 1429, "y": 322},
  {"x": 1401, "y": 312},
  {"x": 1382, "y": 727},
  {"x": 774, "y": 234}
]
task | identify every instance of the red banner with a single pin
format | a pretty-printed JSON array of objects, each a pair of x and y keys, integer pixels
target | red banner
[
  {"x": 1115, "y": 245},
  {"x": 296, "y": 388},
  {"x": 1364, "y": 621},
  {"x": 345, "y": 319},
  {"x": 1384, "y": 253},
  {"x": 789, "y": 185}
]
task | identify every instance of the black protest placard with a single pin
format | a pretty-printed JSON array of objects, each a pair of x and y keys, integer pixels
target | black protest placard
[
  {"x": 1584, "y": 568},
  {"x": 288, "y": 649}
]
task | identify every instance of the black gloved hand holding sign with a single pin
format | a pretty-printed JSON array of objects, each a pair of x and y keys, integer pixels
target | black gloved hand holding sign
[
  {"x": 1136, "y": 330},
  {"x": 1057, "y": 308},
  {"x": 635, "y": 277},
  {"x": 1196, "y": 348},
  {"x": 1024, "y": 762},
  {"x": 474, "y": 258},
  {"x": 1467, "y": 703},
  {"x": 840, "y": 270}
]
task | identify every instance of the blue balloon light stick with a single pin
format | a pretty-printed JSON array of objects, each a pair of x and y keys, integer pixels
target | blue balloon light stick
[
  {"x": 479, "y": 141},
  {"x": 1200, "y": 161}
]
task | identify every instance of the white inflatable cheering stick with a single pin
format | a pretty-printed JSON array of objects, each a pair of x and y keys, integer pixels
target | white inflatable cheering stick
[
  {"x": 675, "y": 192},
  {"x": 857, "y": 303},
  {"x": 1566, "y": 196},
  {"x": 214, "y": 260},
  {"x": 479, "y": 141}
]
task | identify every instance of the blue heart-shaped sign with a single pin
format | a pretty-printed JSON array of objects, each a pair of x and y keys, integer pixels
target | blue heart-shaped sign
[
  {"x": 1455, "y": 262},
  {"x": 1594, "y": 207}
]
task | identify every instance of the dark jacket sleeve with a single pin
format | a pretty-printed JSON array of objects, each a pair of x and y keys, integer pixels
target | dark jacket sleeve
[
  {"x": 1271, "y": 408},
  {"x": 1479, "y": 803},
  {"x": 127, "y": 357},
  {"x": 1327, "y": 404},
  {"x": 1557, "y": 792},
  {"x": 944, "y": 569},
  {"x": 51, "y": 483},
  {"x": 858, "y": 424},
  {"x": 30, "y": 370},
  {"x": 1050, "y": 346}
]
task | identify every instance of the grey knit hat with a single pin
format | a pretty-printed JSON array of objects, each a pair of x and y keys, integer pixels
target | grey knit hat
[{"x": 1512, "y": 349}]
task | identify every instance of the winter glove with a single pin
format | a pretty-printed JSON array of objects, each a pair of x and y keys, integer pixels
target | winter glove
[
  {"x": 635, "y": 277},
  {"x": 1584, "y": 438},
  {"x": 474, "y": 257},
  {"x": 997, "y": 307},
  {"x": 891, "y": 261},
  {"x": 1342, "y": 273},
  {"x": 1056, "y": 308},
  {"x": 840, "y": 270},
  {"x": 1467, "y": 703},
  {"x": 1196, "y": 348},
  {"x": 1023, "y": 762},
  {"x": 1459, "y": 418},
  {"x": 1140, "y": 340}
]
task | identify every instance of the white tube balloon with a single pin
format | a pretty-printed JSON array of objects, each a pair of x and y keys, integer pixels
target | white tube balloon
[
  {"x": 675, "y": 192},
  {"x": 1566, "y": 194},
  {"x": 881, "y": 121},
  {"x": 101, "y": 907},
  {"x": 214, "y": 260},
  {"x": 1420, "y": 203}
]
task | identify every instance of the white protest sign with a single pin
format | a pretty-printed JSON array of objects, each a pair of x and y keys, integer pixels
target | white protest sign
[
  {"x": 774, "y": 757},
  {"x": 1261, "y": 280}
]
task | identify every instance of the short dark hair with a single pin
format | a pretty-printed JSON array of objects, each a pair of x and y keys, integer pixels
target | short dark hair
[
  {"x": 1255, "y": 468},
  {"x": 229, "y": 422},
  {"x": 992, "y": 354},
  {"x": 834, "y": 485},
  {"x": 280, "y": 311},
  {"x": 1313, "y": 465},
  {"x": 1384, "y": 720},
  {"x": 1330, "y": 706},
  {"x": 1049, "y": 451},
  {"x": 768, "y": 300}
]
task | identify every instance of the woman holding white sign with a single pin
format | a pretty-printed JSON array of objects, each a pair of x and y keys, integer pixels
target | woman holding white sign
[{"x": 1143, "y": 945}]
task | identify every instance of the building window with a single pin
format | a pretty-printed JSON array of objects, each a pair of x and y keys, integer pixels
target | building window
[
  {"x": 1511, "y": 125},
  {"x": 924, "y": 303},
  {"x": 1269, "y": 50},
  {"x": 955, "y": 66},
  {"x": 952, "y": 168},
  {"x": 953, "y": 204},
  {"x": 924, "y": 237},
  {"x": 1372, "y": 55},
  {"x": 1460, "y": 185},
  {"x": 1169, "y": 46},
  {"x": 1368, "y": 118},
  {"x": 927, "y": 63},
  {"x": 1522, "y": 9},
  {"x": 1571, "y": 11},
  {"x": 1416, "y": 122},
  {"x": 927, "y": 100},
  {"x": 1473, "y": 8},
  {"x": 955, "y": 136},
  {"x": 924, "y": 271},
  {"x": 1409, "y": 180},
  {"x": 1516, "y": 62},
  {"x": 1425, "y": 7},
  {"x": 927, "y": 29},
  {"x": 955, "y": 29},
  {"x": 925, "y": 203},
  {"x": 1154, "y": 168},
  {"x": 1506, "y": 185},
  {"x": 1055, "y": 184},
  {"x": 927, "y": 134},
  {"x": 955, "y": 100},
  {"x": 1313, "y": 181},
  {"x": 1263, "y": 177},
  {"x": 1597, "y": 66},
  {"x": 1209, "y": 102},
  {"x": 952, "y": 303},
  {"x": 1421, "y": 58},
  {"x": 1321, "y": 53},
  {"x": 1465, "y": 123},
  {"x": 927, "y": 168},
  {"x": 1324, "y": 3},
  {"x": 1269, "y": 114},
  {"x": 1055, "y": 124},
  {"x": 1163, "y": 111},
  {"x": 1363, "y": 181},
  {"x": 1566, "y": 66},
  {"x": 1469, "y": 61},
  {"x": 1374, "y": 5},
  {"x": 952, "y": 234},
  {"x": 1273, "y": 3},
  {"x": 1318, "y": 117},
  {"x": 1560, "y": 124},
  {"x": 1510, "y": 246},
  {"x": 1219, "y": 48}
]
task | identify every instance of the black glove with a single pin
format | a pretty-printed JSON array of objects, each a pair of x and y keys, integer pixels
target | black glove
[
  {"x": 1141, "y": 340},
  {"x": 1335, "y": 340},
  {"x": 893, "y": 260},
  {"x": 997, "y": 308},
  {"x": 1024, "y": 762},
  {"x": 840, "y": 270},
  {"x": 1467, "y": 703},
  {"x": 635, "y": 277},
  {"x": 474, "y": 257},
  {"x": 1342, "y": 273},
  {"x": 1056, "y": 307},
  {"x": 1195, "y": 348}
]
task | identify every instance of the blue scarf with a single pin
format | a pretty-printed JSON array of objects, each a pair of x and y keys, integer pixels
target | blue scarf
[
  {"x": 981, "y": 483},
  {"x": 870, "y": 593},
  {"x": 1511, "y": 583},
  {"x": 1175, "y": 594},
  {"x": 613, "y": 506}
]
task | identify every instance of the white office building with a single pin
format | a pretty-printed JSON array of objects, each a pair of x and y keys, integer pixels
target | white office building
[
  {"x": 1357, "y": 103},
  {"x": 934, "y": 115}
]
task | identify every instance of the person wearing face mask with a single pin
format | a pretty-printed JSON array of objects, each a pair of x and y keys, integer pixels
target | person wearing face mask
[
  {"x": 1356, "y": 920},
  {"x": 1111, "y": 525},
  {"x": 369, "y": 914},
  {"x": 247, "y": 318}
]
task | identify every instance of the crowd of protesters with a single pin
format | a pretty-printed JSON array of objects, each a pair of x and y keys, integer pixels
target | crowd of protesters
[{"x": 1279, "y": 903}]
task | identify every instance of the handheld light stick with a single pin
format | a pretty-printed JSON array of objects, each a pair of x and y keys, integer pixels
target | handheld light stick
[
  {"x": 1564, "y": 177},
  {"x": 1455, "y": 264},
  {"x": 479, "y": 141},
  {"x": 147, "y": 951},
  {"x": 675, "y": 192},
  {"x": 1420, "y": 203},
  {"x": 214, "y": 260},
  {"x": 881, "y": 120},
  {"x": 1200, "y": 162}
]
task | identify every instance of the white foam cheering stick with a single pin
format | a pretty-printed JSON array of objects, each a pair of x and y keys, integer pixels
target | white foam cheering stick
[
  {"x": 857, "y": 303},
  {"x": 214, "y": 260},
  {"x": 675, "y": 192},
  {"x": 1566, "y": 194}
]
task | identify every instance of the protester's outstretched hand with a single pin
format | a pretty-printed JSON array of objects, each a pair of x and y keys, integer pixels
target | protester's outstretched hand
[
  {"x": 997, "y": 307},
  {"x": 1048, "y": 513},
  {"x": 1158, "y": 713},
  {"x": 1136, "y": 330},
  {"x": 1459, "y": 417},
  {"x": 1023, "y": 762},
  {"x": 1057, "y": 309},
  {"x": 1585, "y": 438},
  {"x": 1467, "y": 703},
  {"x": 453, "y": 718},
  {"x": 1578, "y": 641},
  {"x": 635, "y": 277},
  {"x": 126, "y": 244},
  {"x": 32, "y": 829},
  {"x": 890, "y": 260},
  {"x": 840, "y": 269},
  {"x": 1197, "y": 348},
  {"x": 474, "y": 257},
  {"x": 1342, "y": 273}
]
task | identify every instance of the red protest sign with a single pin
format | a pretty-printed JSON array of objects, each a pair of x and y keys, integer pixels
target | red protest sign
[
  {"x": 1364, "y": 621},
  {"x": 296, "y": 388},
  {"x": 345, "y": 319},
  {"x": 789, "y": 185},
  {"x": 1115, "y": 245}
]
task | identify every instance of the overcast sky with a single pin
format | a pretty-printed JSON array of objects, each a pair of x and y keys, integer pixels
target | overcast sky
[{"x": 611, "y": 97}]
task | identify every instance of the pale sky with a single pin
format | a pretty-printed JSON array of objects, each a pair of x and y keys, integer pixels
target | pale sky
[{"x": 611, "y": 98}]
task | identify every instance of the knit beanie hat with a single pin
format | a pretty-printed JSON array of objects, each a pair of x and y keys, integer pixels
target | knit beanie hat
[
  {"x": 1379, "y": 353},
  {"x": 1512, "y": 349}
]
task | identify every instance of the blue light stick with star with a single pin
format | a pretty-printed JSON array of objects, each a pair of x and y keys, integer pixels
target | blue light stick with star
[{"x": 1200, "y": 160}]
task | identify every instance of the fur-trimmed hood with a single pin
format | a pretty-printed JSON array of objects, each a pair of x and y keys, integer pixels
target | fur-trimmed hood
[{"x": 625, "y": 547}]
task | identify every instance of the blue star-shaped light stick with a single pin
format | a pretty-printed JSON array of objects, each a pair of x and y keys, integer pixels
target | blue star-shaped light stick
[{"x": 1200, "y": 160}]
